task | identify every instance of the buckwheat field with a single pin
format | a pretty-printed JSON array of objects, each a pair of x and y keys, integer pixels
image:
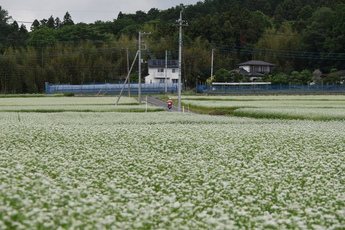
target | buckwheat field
[{"x": 92, "y": 168}]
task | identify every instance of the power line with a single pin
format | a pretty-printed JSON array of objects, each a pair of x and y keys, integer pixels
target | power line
[
  {"x": 264, "y": 49},
  {"x": 298, "y": 54},
  {"x": 78, "y": 52},
  {"x": 282, "y": 53},
  {"x": 287, "y": 35}
]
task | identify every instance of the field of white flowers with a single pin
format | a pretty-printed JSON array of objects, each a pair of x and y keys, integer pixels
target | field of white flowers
[
  {"x": 326, "y": 107},
  {"x": 111, "y": 170},
  {"x": 73, "y": 104}
]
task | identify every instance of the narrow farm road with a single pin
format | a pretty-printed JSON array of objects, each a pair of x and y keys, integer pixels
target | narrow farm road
[{"x": 163, "y": 104}]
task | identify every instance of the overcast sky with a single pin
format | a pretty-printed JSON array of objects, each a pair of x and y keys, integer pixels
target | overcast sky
[{"x": 87, "y": 11}]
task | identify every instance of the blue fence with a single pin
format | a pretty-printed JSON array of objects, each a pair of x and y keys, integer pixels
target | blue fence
[
  {"x": 270, "y": 89},
  {"x": 107, "y": 88}
]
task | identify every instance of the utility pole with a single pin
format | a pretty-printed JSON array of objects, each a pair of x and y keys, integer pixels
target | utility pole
[
  {"x": 180, "y": 24},
  {"x": 212, "y": 63},
  {"x": 166, "y": 72},
  {"x": 139, "y": 68},
  {"x": 129, "y": 80}
]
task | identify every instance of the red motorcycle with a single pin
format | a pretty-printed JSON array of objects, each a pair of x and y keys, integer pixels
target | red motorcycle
[{"x": 170, "y": 102}]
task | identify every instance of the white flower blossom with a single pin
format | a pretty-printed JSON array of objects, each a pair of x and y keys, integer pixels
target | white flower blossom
[{"x": 92, "y": 170}]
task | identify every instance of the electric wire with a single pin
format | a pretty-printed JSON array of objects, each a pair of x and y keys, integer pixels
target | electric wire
[{"x": 294, "y": 54}]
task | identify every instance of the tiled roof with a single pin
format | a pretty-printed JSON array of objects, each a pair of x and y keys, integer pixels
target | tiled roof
[
  {"x": 256, "y": 62},
  {"x": 160, "y": 63},
  {"x": 242, "y": 71},
  {"x": 246, "y": 73}
]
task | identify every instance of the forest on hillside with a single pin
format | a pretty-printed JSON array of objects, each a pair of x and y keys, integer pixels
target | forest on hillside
[{"x": 298, "y": 36}]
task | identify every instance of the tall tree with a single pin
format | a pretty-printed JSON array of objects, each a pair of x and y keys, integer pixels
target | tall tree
[
  {"x": 51, "y": 22},
  {"x": 35, "y": 25},
  {"x": 67, "y": 20},
  {"x": 5, "y": 28},
  {"x": 43, "y": 22},
  {"x": 4, "y": 16},
  {"x": 120, "y": 15},
  {"x": 17, "y": 36},
  {"x": 57, "y": 23}
]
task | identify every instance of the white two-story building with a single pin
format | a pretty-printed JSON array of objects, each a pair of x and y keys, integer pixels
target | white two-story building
[{"x": 160, "y": 71}]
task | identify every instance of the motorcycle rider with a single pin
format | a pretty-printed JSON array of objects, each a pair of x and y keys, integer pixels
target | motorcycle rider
[{"x": 170, "y": 102}]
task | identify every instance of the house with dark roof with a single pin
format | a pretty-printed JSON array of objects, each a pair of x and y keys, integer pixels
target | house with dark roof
[
  {"x": 252, "y": 76},
  {"x": 254, "y": 69},
  {"x": 257, "y": 66},
  {"x": 160, "y": 71}
]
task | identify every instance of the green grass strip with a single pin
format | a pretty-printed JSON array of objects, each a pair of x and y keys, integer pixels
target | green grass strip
[
  {"x": 275, "y": 115},
  {"x": 227, "y": 111}
]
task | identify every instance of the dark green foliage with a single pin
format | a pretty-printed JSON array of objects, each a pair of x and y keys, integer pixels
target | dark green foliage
[
  {"x": 298, "y": 36},
  {"x": 222, "y": 75},
  {"x": 11, "y": 34},
  {"x": 67, "y": 20},
  {"x": 333, "y": 78},
  {"x": 68, "y": 94}
]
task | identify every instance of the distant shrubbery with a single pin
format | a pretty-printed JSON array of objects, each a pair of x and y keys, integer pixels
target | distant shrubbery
[{"x": 68, "y": 94}]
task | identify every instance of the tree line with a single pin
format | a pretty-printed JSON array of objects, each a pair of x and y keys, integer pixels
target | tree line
[{"x": 297, "y": 36}]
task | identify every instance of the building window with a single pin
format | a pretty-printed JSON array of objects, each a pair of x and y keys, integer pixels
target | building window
[
  {"x": 161, "y": 80},
  {"x": 175, "y": 80},
  {"x": 174, "y": 70},
  {"x": 160, "y": 70}
]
